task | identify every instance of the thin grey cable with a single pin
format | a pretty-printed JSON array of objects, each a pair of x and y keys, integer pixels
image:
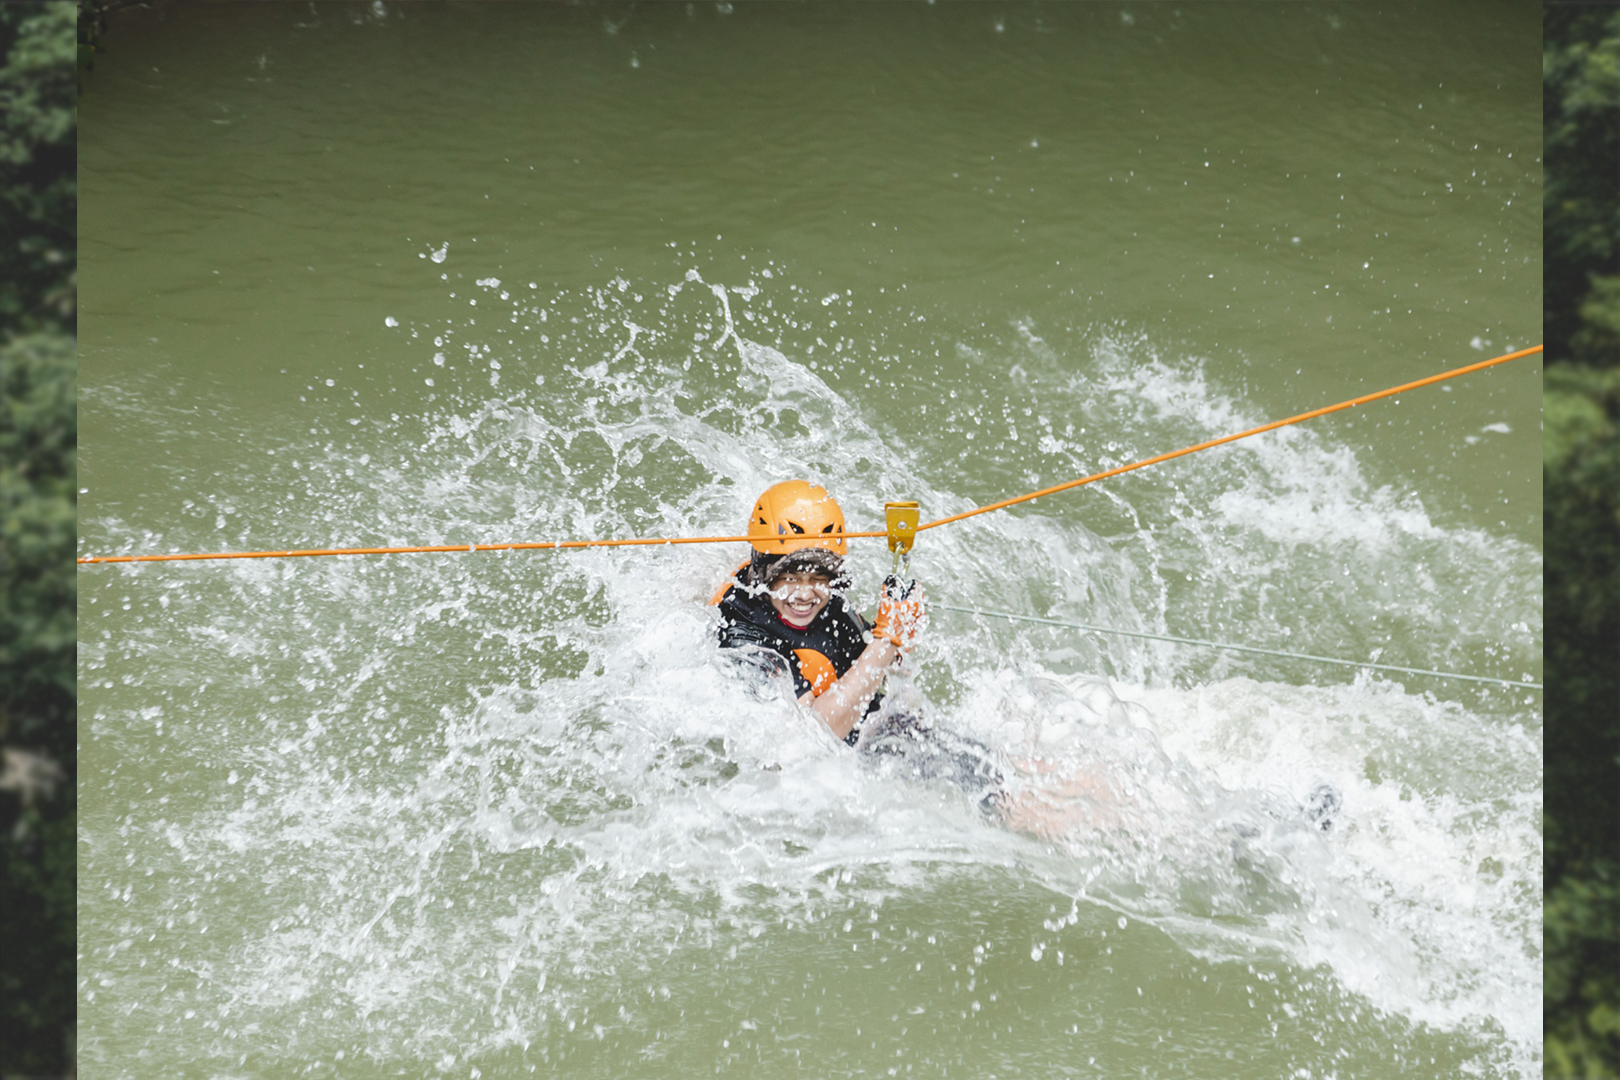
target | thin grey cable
[{"x": 1241, "y": 648}]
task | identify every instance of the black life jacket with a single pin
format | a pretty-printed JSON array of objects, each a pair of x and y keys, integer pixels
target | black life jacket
[{"x": 816, "y": 656}]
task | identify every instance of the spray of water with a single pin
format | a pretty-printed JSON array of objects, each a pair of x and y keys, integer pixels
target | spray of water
[{"x": 443, "y": 801}]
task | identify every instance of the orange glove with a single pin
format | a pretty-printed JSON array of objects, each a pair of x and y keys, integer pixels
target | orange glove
[{"x": 900, "y": 614}]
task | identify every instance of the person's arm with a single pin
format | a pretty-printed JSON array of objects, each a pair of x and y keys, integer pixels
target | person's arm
[
  {"x": 899, "y": 620},
  {"x": 843, "y": 703}
]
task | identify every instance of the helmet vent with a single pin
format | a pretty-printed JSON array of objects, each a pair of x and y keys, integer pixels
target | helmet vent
[{"x": 796, "y": 513}]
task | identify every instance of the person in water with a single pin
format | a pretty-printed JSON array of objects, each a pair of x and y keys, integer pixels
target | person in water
[
  {"x": 786, "y": 607},
  {"x": 785, "y": 612}
]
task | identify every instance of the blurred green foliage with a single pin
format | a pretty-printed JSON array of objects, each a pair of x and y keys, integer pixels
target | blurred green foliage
[
  {"x": 38, "y": 522},
  {"x": 38, "y": 165},
  {"x": 1581, "y": 488},
  {"x": 1581, "y": 485},
  {"x": 1581, "y": 207}
]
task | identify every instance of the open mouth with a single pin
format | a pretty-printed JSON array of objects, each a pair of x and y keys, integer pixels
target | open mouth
[{"x": 799, "y": 613}]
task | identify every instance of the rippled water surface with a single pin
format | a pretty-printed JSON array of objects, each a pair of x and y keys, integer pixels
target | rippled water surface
[{"x": 382, "y": 274}]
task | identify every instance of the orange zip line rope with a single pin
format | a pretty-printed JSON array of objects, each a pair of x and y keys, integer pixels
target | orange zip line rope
[
  {"x": 1301, "y": 418},
  {"x": 554, "y": 545}
]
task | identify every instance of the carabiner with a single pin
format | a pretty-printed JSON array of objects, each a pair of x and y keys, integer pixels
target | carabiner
[{"x": 902, "y": 519}]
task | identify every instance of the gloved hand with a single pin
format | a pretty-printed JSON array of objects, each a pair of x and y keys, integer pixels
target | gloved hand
[{"x": 901, "y": 613}]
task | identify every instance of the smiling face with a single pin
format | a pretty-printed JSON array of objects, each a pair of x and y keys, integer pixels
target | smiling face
[{"x": 798, "y": 597}]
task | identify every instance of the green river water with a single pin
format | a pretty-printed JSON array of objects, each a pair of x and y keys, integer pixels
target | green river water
[{"x": 381, "y": 274}]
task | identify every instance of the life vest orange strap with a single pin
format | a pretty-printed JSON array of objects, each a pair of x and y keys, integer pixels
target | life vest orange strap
[
  {"x": 726, "y": 587},
  {"x": 817, "y": 670}
]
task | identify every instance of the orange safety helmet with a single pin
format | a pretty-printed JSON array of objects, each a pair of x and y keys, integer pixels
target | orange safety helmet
[{"x": 793, "y": 515}]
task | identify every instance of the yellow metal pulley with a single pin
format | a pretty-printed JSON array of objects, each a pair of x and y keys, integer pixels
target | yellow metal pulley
[{"x": 902, "y": 519}]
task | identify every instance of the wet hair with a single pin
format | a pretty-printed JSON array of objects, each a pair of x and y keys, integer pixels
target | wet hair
[{"x": 764, "y": 569}]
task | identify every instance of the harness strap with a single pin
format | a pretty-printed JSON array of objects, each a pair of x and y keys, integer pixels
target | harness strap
[{"x": 725, "y": 588}]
